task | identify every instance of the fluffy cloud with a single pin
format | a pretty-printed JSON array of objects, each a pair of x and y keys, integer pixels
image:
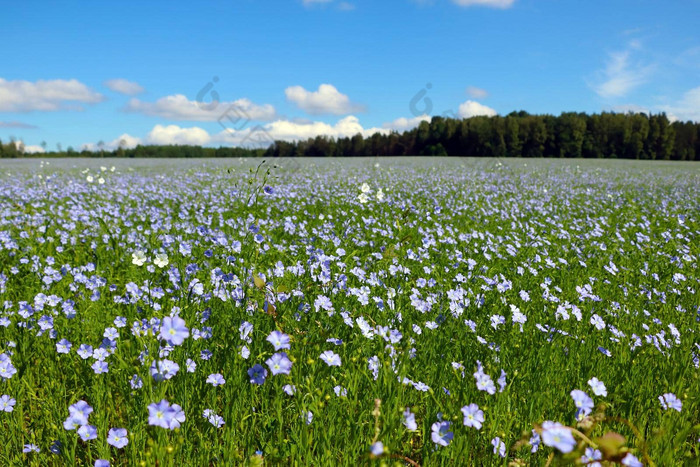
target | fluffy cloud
[
  {"x": 45, "y": 95},
  {"x": 160, "y": 135},
  {"x": 476, "y": 93},
  {"x": 179, "y": 107},
  {"x": 326, "y": 100},
  {"x": 621, "y": 76},
  {"x": 405, "y": 124},
  {"x": 259, "y": 135},
  {"x": 125, "y": 141},
  {"x": 173, "y": 134},
  {"x": 28, "y": 149},
  {"x": 286, "y": 130},
  {"x": 488, "y": 3},
  {"x": 472, "y": 109},
  {"x": 123, "y": 86},
  {"x": 31, "y": 149}
]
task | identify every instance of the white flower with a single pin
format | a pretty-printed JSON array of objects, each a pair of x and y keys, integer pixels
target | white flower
[
  {"x": 101, "y": 181},
  {"x": 364, "y": 188},
  {"x": 89, "y": 179},
  {"x": 363, "y": 198},
  {"x": 138, "y": 258},
  {"x": 161, "y": 260},
  {"x": 380, "y": 194}
]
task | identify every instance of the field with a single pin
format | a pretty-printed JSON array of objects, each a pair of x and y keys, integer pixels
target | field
[{"x": 342, "y": 312}]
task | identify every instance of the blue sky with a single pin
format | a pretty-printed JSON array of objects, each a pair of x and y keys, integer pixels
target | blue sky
[{"x": 130, "y": 72}]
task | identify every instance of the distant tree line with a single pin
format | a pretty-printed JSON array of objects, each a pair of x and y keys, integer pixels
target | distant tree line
[{"x": 518, "y": 134}]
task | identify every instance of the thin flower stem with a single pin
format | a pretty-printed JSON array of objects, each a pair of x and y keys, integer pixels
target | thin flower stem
[
  {"x": 405, "y": 459},
  {"x": 584, "y": 437}
]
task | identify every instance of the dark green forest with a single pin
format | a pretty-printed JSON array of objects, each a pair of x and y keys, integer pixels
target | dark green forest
[{"x": 519, "y": 134}]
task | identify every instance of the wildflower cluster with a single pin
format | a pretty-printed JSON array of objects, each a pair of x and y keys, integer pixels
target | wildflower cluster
[{"x": 198, "y": 314}]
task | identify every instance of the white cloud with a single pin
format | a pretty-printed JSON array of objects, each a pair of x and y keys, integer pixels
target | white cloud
[
  {"x": 346, "y": 6},
  {"x": 314, "y": 2},
  {"x": 621, "y": 76},
  {"x": 28, "y": 149},
  {"x": 488, "y": 3},
  {"x": 178, "y": 107},
  {"x": 45, "y": 95},
  {"x": 173, "y": 134},
  {"x": 477, "y": 93},
  {"x": 14, "y": 124},
  {"x": 257, "y": 136},
  {"x": 472, "y": 109},
  {"x": 286, "y": 130},
  {"x": 124, "y": 86},
  {"x": 326, "y": 100},
  {"x": 160, "y": 135},
  {"x": 31, "y": 149},
  {"x": 125, "y": 141},
  {"x": 404, "y": 124},
  {"x": 687, "y": 108}
]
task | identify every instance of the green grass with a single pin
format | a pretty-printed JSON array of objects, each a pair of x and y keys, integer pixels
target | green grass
[{"x": 520, "y": 214}]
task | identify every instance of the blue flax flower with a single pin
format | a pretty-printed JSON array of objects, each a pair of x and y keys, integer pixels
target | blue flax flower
[
  {"x": 279, "y": 340},
  {"x": 377, "y": 449},
  {"x": 216, "y": 379},
  {"x": 7, "y": 404},
  {"x": 173, "y": 330},
  {"x": 164, "y": 415},
  {"x": 499, "y": 447},
  {"x": 441, "y": 434},
  {"x": 117, "y": 437},
  {"x": 584, "y": 404},
  {"x": 473, "y": 416},
  {"x": 87, "y": 432},
  {"x": 670, "y": 401},
  {"x": 558, "y": 436},
  {"x": 331, "y": 358},
  {"x": 279, "y": 363},
  {"x": 257, "y": 374},
  {"x": 409, "y": 420}
]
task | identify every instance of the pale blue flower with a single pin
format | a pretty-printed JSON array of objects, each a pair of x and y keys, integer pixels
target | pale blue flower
[
  {"x": 558, "y": 436},
  {"x": 377, "y": 449},
  {"x": 670, "y": 401},
  {"x": 473, "y": 416},
  {"x": 440, "y": 433},
  {"x": 331, "y": 358},
  {"x": 598, "y": 387},
  {"x": 499, "y": 447},
  {"x": 117, "y": 437}
]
